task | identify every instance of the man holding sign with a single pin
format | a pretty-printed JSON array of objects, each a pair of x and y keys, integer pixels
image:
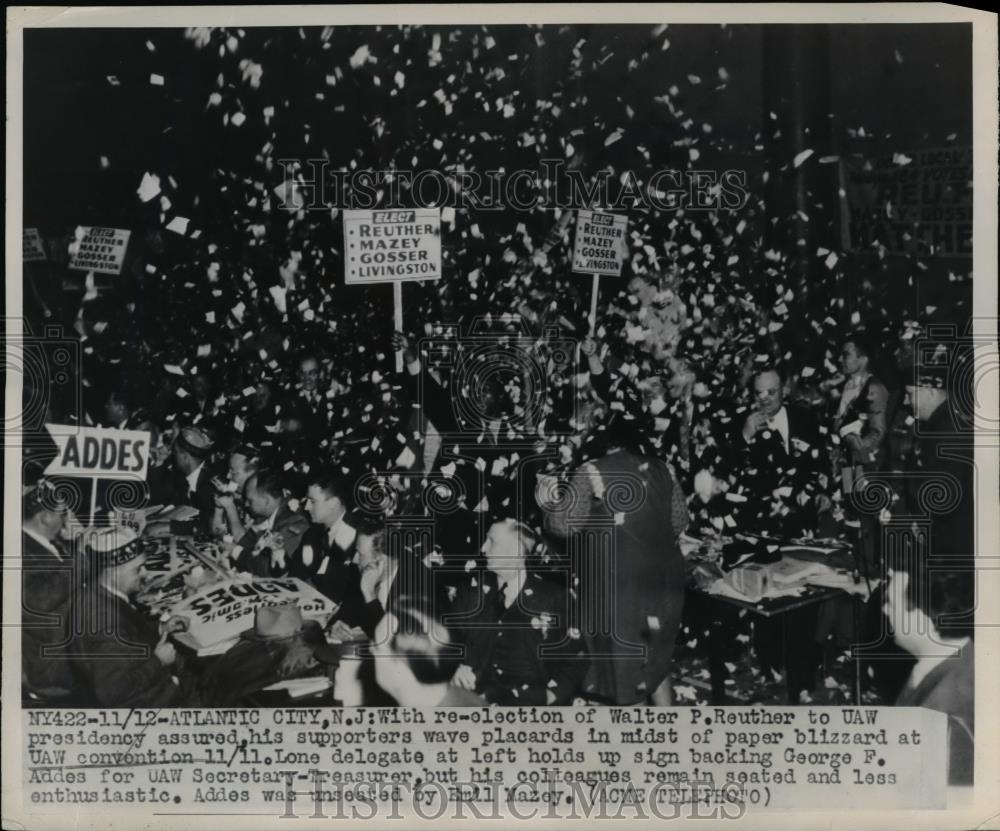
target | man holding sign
[
  {"x": 390, "y": 247},
  {"x": 121, "y": 658}
]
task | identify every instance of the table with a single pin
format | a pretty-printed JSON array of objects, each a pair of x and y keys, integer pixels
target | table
[{"x": 770, "y": 608}]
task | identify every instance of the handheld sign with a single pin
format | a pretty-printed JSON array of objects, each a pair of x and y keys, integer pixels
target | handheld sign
[
  {"x": 33, "y": 250},
  {"x": 392, "y": 246},
  {"x": 101, "y": 250},
  {"x": 98, "y": 453},
  {"x": 599, "y": 248},
  {"x": 224, "y": 610}
]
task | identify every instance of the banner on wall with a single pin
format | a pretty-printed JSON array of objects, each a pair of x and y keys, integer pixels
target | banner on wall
[{"x": 910, "y": 203}]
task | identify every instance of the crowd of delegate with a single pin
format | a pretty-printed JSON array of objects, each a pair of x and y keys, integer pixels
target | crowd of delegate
[{"x": 305, "y": 476}]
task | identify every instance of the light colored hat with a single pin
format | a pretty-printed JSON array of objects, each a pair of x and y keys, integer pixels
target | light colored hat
[
  {"x": 115, "y": 546},
  {"x": 196, "y": 441},
  {"x": 284, "y": 621}
]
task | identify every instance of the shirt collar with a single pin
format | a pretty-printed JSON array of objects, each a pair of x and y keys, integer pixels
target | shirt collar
[
  {"x": 192, "y": 477},
  {"x": 46, "y": 544},
  {"x": 341, "y": 533}
]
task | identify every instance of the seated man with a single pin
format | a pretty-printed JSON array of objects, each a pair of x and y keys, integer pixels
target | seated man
[
  {"x": 229, "y": 516},
  {"x": 327, "y": 556},
  {"x": 120, "y": 658},
  {"x": 46, "y": 585},
  {"x": 519, "y": 644},
  {"x": 274, "y": 538},
  {"x": 187, "y": 480},
  {"x": 781, "y": 457},
  {"x": 918, "y": 603}
]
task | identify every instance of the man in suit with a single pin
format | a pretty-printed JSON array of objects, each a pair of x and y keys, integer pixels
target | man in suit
[
  {"x": 230, "y": 518},
  {"x": 187, "y": 480},
  {"x": 327, "y": 558},
  {"x": 273, "y": 539},
  {"x": 781, "y": 455},
  {"x": 121, "y": 658},
  {"x": 944, "y": 452},
  {"x": 781, "y": 459},
  {"x": 47, "y": 580},
  {"x": 481, "y": 435},
  {"x": 516, "y": 627}
]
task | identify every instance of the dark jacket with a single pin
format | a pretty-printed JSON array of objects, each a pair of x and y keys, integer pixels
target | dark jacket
[
  {"x": 329, "y": 567},
  {"x": 519, "y": 653},
  {"x": 291, "y": 525},
  {"x": 168, "y": 486},
  {"x": 951, "y": 688},
  {"x": 941, "y": 484},
  {"x": 621, "y": 523},
  {"x": 481, "y": 466},
  {"x": 113, "y": 660},
  {"x": 46, "y": 587},
  {"x": 776, "y": 477}
]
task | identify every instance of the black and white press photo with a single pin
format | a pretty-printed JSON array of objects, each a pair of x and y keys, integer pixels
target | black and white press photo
[{"x": 500, "y": 411}]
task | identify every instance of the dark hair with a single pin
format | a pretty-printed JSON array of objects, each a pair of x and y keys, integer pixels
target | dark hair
[
  {"x": 777, "y": 369},
  {"x": 248, "y": 452},
  {"x": 332, "y": 484},
  {"x": 945, "y": 594},
  {"x": 864, "y": 343},
  {"x": 269, "y": 481},
  {"x": 424, "y": 642}
]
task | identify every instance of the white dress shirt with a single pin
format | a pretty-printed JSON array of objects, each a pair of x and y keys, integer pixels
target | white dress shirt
[
  {"x": 192, "y": 478},
  {"x": 341, "y": 534},
  {"x": 779, "y": 423}
]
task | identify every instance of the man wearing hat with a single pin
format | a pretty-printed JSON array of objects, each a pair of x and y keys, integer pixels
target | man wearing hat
[
  {"x": 188, "y": 479},
  {"x": 943, "y": 452},
  {"x": 120, "y": 658},
  {"x": 47, "y": 579}
]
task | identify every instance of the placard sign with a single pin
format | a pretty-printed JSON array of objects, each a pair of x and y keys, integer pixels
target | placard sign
[
  {"x": 223, "y": 610},
  {"x": 392, "y": 246},
  {"x": 599, "y": 247},
  {"x": 99, "y": 452},
  {"x": 33, "y": 249},
  {"x": 100, "y": 249}
]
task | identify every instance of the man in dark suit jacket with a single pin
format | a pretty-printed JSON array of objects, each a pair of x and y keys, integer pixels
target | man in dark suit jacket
[
  {"x": 782, "y": 458},
  {"x": 515, "y": 625},
  {"x": 327, "y": 555},
  {"x": 481, "y": 435},
  {"x": 120, "y": 657},
  {"x": 273, "y": 520},
  {"x": 944, "y": 452},
  {"x": 47, "y": 580},
  {"x": 187, "y": 479}
]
